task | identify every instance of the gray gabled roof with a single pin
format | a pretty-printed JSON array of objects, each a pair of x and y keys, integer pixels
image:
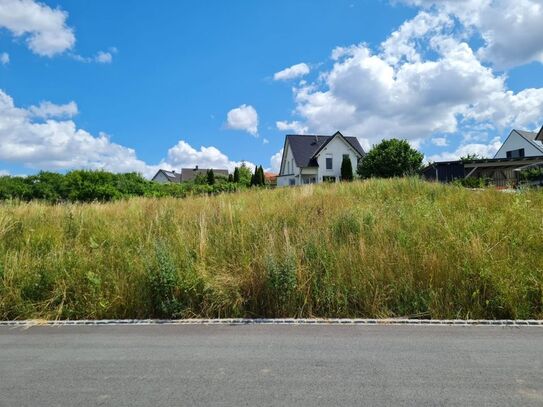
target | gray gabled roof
[
  {"x": 305, "y": 147},
  {"x": 531, "y": 137},
  {"x": 172, "y": 176},
  {"x": 540, "y": 134},
  {"x": 188, "y": 174},
  {"x": 526, "y": 134}
]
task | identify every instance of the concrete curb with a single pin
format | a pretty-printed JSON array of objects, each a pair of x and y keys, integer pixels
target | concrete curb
[{"x": 285, "y": 321}]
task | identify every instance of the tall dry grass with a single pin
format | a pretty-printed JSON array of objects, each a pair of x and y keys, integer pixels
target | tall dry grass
[{"x": 377, "y": 248}]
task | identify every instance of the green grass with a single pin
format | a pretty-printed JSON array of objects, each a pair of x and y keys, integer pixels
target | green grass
[{"x": 379, "y": 248}]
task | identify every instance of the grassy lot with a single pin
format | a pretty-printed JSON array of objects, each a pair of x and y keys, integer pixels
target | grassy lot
[{"x": 378, "y": 248}]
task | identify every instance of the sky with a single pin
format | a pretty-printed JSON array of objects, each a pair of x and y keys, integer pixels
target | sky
[{"x": 122, "y": 86}]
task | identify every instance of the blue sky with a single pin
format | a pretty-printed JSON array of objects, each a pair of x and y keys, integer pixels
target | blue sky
[{"x": 124, "y": 86}]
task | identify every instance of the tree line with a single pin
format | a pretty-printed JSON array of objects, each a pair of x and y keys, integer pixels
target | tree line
[{"x": 103, "y": 186}]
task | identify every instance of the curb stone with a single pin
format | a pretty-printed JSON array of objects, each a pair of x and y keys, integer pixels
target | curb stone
[{"x": 283, "y": 321}]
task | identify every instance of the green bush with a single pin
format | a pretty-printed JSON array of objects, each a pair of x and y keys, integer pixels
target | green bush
[{"x": 102, "y": 186}]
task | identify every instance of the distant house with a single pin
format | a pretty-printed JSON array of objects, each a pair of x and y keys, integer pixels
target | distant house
[
  {"x": 520, "y": 151},
  {"x": 309, "y": 159},
  {"x": 166, "y": 177},
  {"x": 520, "y": 144},
  {"x": 271, "y": 178},
  {"x": 186, "y": 174}
]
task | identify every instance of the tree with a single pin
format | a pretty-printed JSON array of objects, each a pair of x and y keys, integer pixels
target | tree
[
  {"x": 470, "y": 157},
  {"x": 261, "y": 180},
  {"x": 210, "y": 177},
  {"x": 391, "y": 158},
  {"x": 236, "y": 175},
  {"x": 230, "y": 178},
  {"x": 346, "y": 169},
  {"x": 245, "y": 175}
]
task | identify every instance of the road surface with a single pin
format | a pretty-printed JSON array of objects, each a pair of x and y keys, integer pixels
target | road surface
[{"x": 271, "y": 365}]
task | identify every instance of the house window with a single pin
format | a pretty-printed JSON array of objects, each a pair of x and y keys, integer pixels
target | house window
[
  {"x": 329, "y": 163},
  {"x": 515, "y": 153}
]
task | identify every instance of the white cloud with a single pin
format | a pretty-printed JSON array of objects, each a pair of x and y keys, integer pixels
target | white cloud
[
  {"x": 439, "y": 141},
  {"x": 482, "y": 150},
  {"x": 101, "y": 57},
  {"x": 275, "y": 161},
  {"x": 295, "y": 126},
  {"x": 510, "y": 29},
  {"x": 44, "y": 28},
  {"x": 183, "y": 155},
  {"x": 47, "y": 110},
  {"x": 59, "y": 144},
  {"x": 56, "y": 143},
  {"x": 4, "y": 58},
  {"x": 104, "y": 57},
  {"x": 424, "y": 80},
  {"x": 295, "y": 71},
  {"x": 243, "y": 118}
]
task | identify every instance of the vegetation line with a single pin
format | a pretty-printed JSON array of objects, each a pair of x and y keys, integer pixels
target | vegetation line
[{"x": 363, "y": 249}]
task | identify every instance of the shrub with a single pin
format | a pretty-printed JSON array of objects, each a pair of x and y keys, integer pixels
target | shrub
[
  {"x": 391, "y": 158},
  {"x": 346, "y": 169}
]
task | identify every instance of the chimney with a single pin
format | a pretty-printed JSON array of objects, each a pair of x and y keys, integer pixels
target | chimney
[{"x": 196, "y": 168}]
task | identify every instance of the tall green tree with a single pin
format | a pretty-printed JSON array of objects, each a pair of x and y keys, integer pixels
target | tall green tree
[
  {"x": 236, "y": 175},
  {"x": 230, "y": 178},
  {"x": 210, "y": 177},
  {"x": 245, "y": 175},
  {"x": 346, "y": 169},
  {"x": 391, "y": 158},
  {"x": 261, "y": 177},
  {"x": 254, "y": 177}
]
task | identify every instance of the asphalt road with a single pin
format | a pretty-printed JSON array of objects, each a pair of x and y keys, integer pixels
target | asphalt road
[{"x": 271, "y": 365}]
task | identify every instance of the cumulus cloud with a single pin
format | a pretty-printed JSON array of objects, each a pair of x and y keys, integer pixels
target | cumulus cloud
[
  {"x": 53, "y": 142},
  {"x": 59, "y": 144},
  {"x": 47, "y": 110},
  {"x": 275, "y": 161},
  {"x": 295, "y": 71},
  {"x": 4, "y": 58},
  {"x": 294, "y": 126},
  {"x": 243, "y": 118},
  {"x": 510, "y": 29},
  {"x": 482, "y": 150},
  {"x": 44, "y": 28},
  {"x": 424, "y": 79},
  {"x": 183, "y": 155}
]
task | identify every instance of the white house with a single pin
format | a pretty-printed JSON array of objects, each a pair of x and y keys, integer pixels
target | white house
[
  {"x": 521, "y": 144},
  {"x": 309, "y": 159},
  {"x": 166, "y": 177}
]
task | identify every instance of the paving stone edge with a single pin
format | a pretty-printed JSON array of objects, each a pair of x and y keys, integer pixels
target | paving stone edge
[{"x": 279, "y": 321}]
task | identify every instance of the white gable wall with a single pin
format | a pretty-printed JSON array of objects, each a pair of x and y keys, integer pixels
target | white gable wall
[
  {"x": 514, "y": 142},
  {"x": 161, "y": 178},
  {"x": 335, "y": 149},
  {"x": 289, "y": 171}
]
